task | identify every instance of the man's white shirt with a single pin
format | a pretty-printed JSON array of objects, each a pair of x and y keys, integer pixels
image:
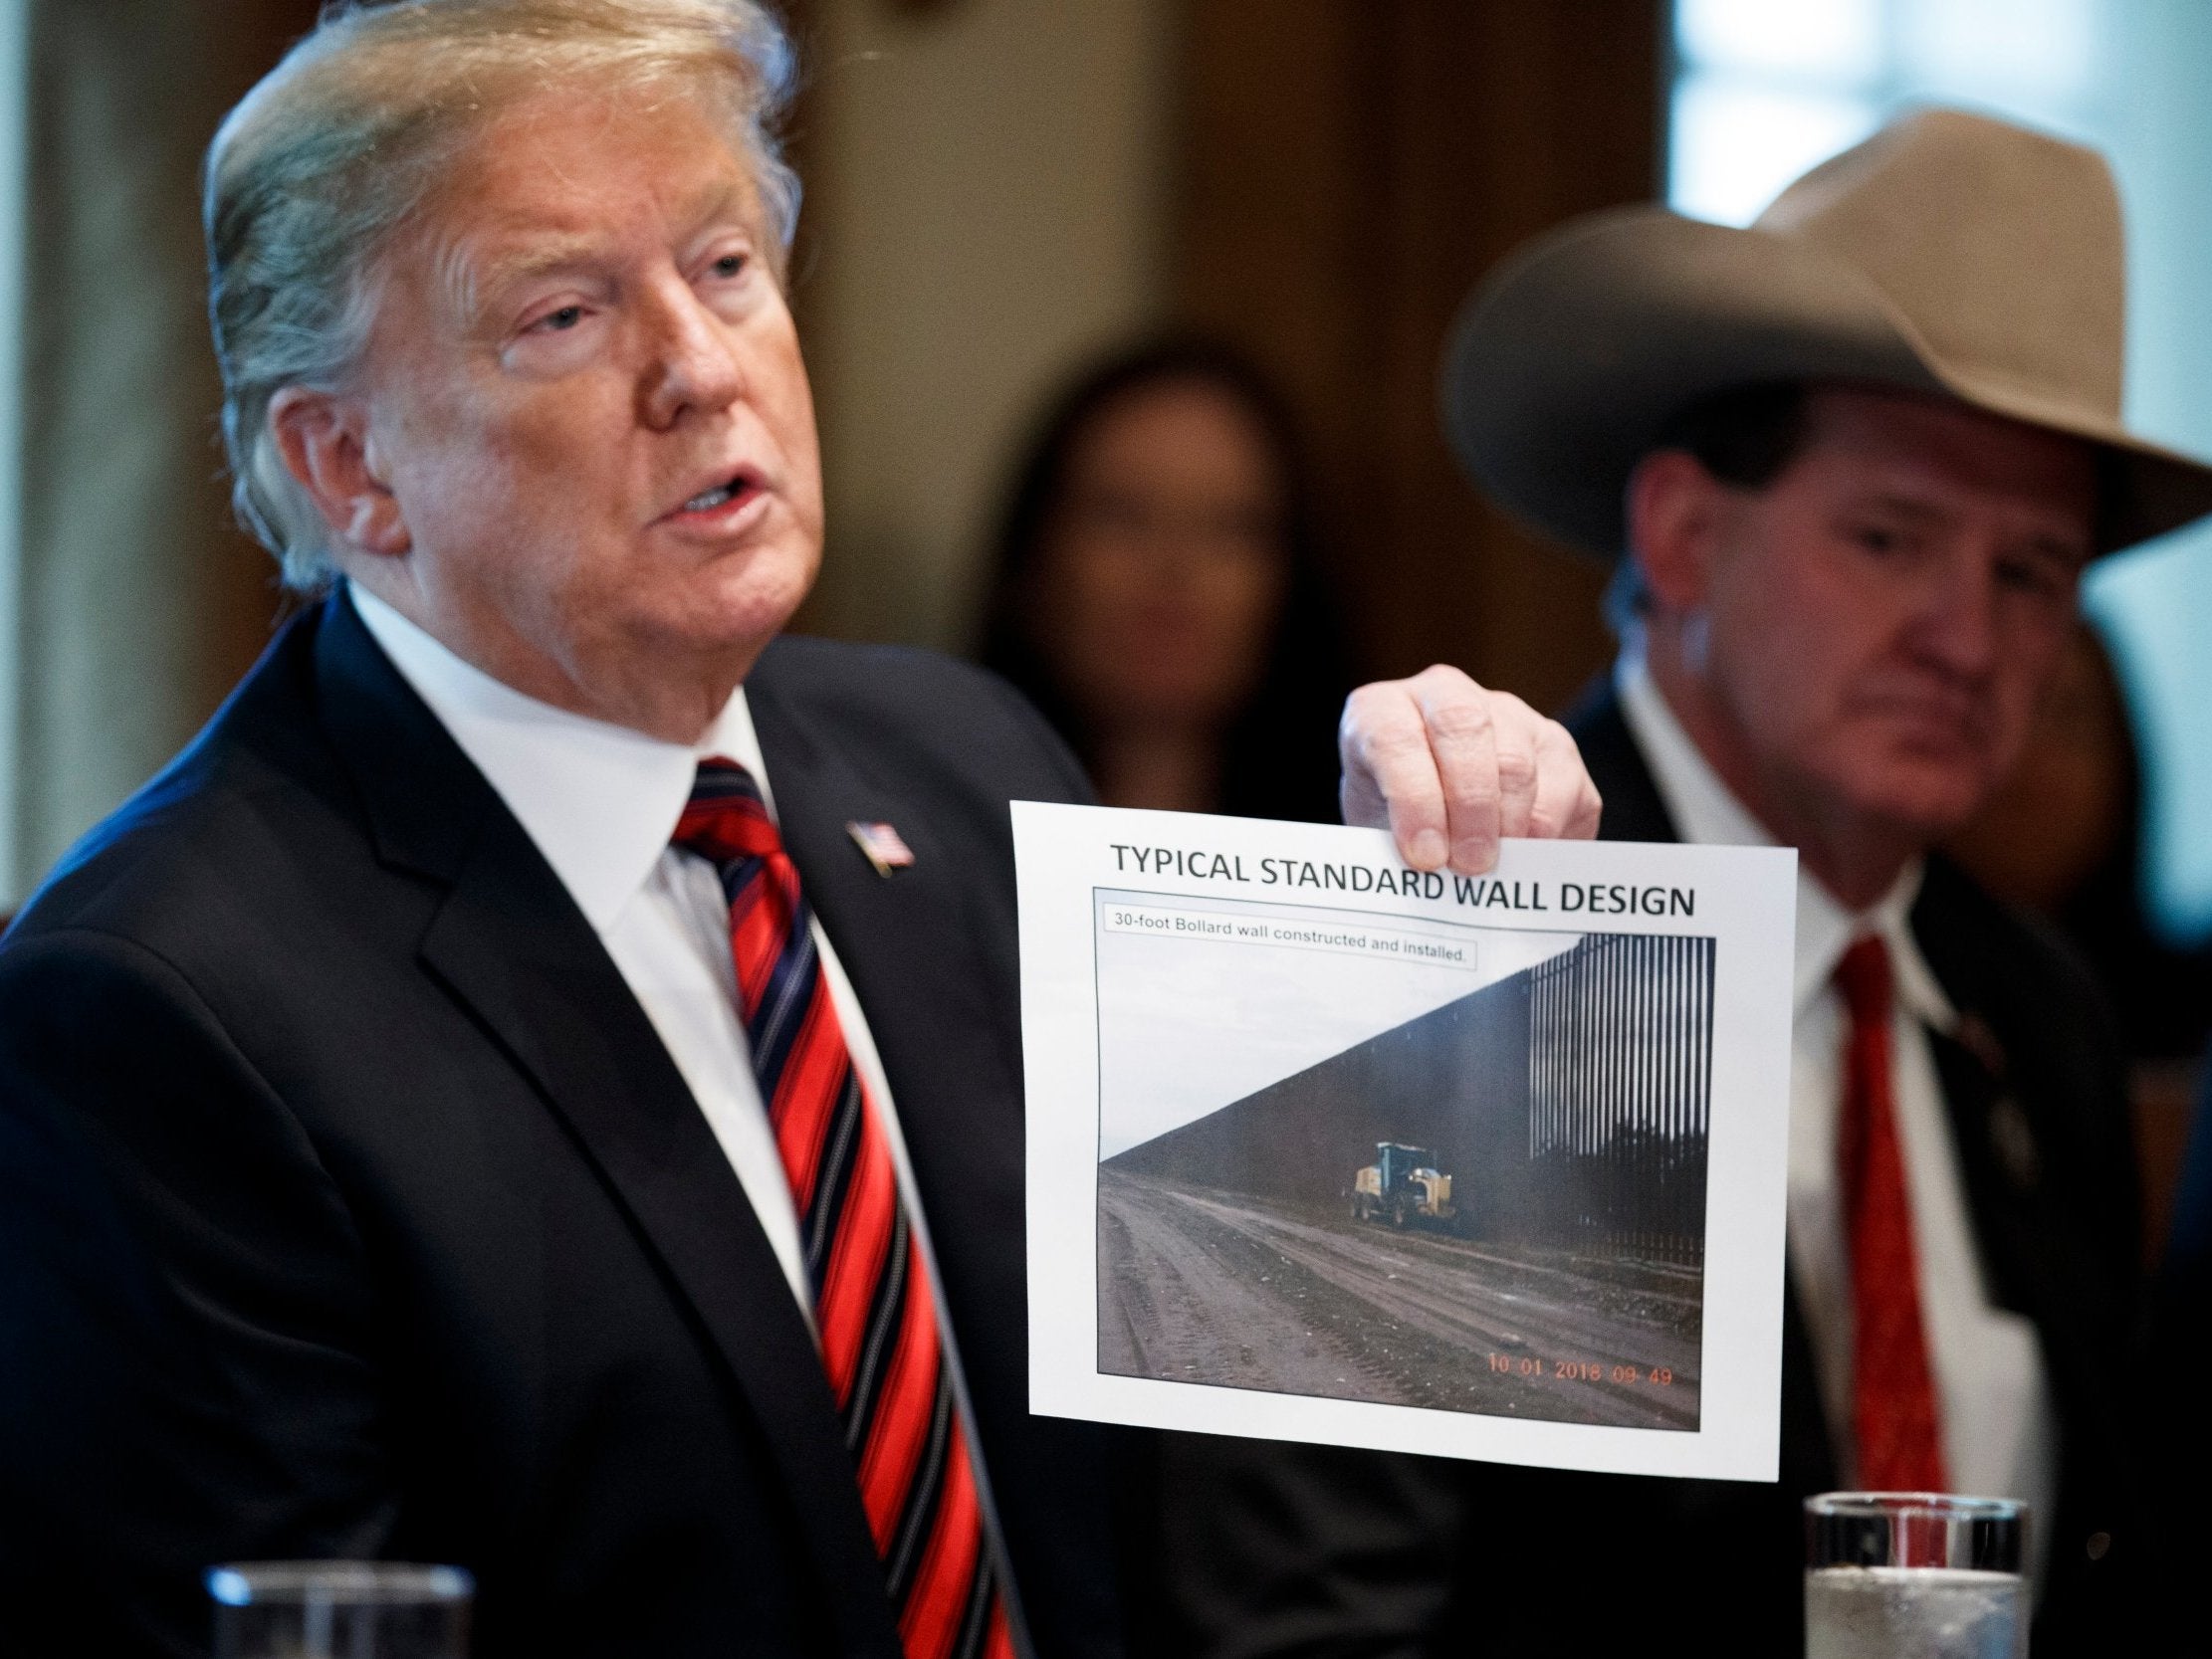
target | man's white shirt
[
  {"x": 600, "y": 801},
  {"x": 1999, "y": 1427}
]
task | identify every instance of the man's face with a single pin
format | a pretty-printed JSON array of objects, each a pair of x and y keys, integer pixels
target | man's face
[
  {"x": 1878, "y": 623},
  {"x": 586, "y": 397}
]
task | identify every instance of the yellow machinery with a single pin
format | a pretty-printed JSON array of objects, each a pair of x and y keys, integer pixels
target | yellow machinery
[{"x": 1404, "y": 1187}]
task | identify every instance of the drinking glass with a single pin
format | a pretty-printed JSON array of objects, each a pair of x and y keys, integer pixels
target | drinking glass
[
  {"x": 1914, "y": 1575},
  {"x": 340, "y": 1610}
]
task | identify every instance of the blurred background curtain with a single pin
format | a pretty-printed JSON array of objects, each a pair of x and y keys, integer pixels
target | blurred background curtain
[{"x": 1346, "y": 173}]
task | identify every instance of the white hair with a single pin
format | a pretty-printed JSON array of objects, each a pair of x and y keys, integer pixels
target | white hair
[{"x": 318, "y": 165}]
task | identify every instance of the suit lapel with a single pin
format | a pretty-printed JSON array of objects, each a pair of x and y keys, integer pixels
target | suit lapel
[
  {"x": 2032, "y": 1257},
  {"x": 819, "y": 794},
  {"x": 2034, "y": 1260},
  {"x": 2000, "y": 1160},
  {"x": 1974, "y": 1102},
  {"x": 1633, "y": 809},
  {"x": 510, "y": 943},
  {"x": 898, "y": 936}
]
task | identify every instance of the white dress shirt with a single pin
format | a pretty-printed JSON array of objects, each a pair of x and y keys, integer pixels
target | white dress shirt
[
  {"x": 601, "y": 802},
  {"x": 1998, "y": 1426}
]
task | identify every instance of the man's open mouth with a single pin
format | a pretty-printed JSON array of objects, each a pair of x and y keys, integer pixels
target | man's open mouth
[{"x": 708, "y": 500}]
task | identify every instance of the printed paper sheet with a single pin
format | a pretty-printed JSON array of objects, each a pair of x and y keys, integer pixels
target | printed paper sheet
[{"x": 1322, "y": 1148}]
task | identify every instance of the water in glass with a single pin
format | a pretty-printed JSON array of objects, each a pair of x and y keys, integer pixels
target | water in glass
[{"x": 1894, "y": 1612}]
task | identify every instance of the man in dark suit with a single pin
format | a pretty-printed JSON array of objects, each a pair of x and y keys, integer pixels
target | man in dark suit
[
  {"x": 535, "y": 1085},
  {"x": 1857, "y": 456},
  {"x": 2180, "y": 1348}
]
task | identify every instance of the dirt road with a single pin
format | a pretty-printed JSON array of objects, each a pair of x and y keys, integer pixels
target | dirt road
[{"x": 1209, "y": 1287}]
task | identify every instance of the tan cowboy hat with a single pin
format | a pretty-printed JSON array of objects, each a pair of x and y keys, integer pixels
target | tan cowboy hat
[{"x": 1949, "y": 254}]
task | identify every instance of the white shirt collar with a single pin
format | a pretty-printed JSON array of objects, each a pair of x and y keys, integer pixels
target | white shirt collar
[
  {"x": 599, "y": 800},
  {"x": 1707, "y": 812}
]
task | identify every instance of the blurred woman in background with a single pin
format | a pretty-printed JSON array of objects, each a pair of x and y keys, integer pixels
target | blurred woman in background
[
  {"x": 2062, "y": 837},
  {"x": 1157, "y": 591}
]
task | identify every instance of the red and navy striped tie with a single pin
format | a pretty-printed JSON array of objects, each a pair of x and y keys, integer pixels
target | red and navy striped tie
[{"x": 874, "y": 1308}]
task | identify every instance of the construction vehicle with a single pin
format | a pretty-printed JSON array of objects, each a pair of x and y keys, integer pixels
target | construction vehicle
[{"x": 1404, "y": 1187}]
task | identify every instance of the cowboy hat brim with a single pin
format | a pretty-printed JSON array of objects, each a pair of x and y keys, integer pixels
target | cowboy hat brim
[{"x": 1566, "y": 366}]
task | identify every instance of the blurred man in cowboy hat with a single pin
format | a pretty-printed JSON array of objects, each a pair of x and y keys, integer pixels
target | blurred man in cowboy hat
[{"x": 1854, "y": 460}]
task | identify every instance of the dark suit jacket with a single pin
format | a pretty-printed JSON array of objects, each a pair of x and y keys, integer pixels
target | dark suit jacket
[
  {"x": 350, "y": 1207},
  {"x": 2181, "y": 1355},
  {"x": 1316, "y": 1551}
]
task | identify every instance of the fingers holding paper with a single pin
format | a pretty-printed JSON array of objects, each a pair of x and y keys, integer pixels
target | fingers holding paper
[{"x": 1449, "y": 768}]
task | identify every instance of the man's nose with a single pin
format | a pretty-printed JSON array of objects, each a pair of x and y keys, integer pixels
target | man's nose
[
  {"x": 1958, "y": 622},
  {"x": 693, "y": 364}
]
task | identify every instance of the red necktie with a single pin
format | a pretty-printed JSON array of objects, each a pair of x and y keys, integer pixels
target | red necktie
[
  {"x": 872, "y": 1304},
  {"x": 1899, "y": 1446}
]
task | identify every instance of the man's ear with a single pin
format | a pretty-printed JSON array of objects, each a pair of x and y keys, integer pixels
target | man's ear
[
  {"x": 1674, "y": 513},
  {"x": 324, "y": 443}
]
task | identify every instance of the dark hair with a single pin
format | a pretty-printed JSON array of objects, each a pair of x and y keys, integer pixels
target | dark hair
[
  {"x": 1280, "y": 754},
  {"x": 1745, "y": 435}
]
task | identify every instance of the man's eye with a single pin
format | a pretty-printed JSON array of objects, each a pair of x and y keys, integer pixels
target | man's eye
[
  {"x": 554, "y": 322},
  {"x": 2028, "y": 575},
  {"x": 1878, "y": 538},
  {"x": 729, "y": 265}
]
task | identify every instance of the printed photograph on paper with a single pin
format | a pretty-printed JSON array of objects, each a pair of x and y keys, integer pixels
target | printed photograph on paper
[
  {"x": 1323, "y": 1147},
  {"x": 1460, "y": 1167}
]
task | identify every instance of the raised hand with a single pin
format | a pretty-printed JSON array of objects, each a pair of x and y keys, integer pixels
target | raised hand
[{"x": 1449, "y": 768}]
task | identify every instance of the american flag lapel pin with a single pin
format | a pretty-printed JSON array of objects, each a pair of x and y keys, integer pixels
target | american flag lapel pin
[{"x": 883, "y": 846}]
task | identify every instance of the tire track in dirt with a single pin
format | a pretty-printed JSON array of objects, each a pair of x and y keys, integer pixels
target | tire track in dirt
[
  {"x": 1216, "y": 1288},
  {"x": 1184, "y": 1307}
]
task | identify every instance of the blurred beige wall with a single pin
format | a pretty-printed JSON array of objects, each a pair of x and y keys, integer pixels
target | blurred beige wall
[
  {"x": 137, "y": 602},
  {"x": 990, "y": 200}
]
